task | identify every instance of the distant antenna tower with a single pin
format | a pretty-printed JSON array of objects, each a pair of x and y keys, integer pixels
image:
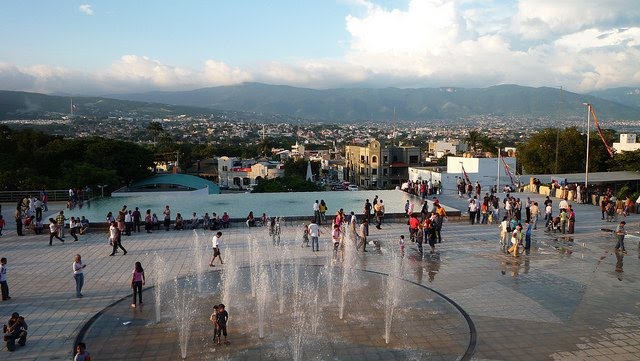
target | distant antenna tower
[{"x": 71, "y": 107}]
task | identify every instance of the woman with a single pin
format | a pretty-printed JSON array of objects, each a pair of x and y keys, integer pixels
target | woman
[
  {"x": 572, "y": 220},
  {"x": 179, "y": 222},
  {"x": 148, "y": 222},
  {"x": 53, "y": 231},
  {"x": 110, "y": 217},
  {"x": 115, "y": 239},
  {"x": 323, "y": 211},
  {"x": 251, "y": 222},
  {"x": 137, "y": 281},
  {"x": 78, "y": 266}
]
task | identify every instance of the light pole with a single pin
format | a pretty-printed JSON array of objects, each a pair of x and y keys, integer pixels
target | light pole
[
  {"x": 498, "y": 183},
  {"x": 102, "y": 189},
  {"x": 586, "y": 169}
]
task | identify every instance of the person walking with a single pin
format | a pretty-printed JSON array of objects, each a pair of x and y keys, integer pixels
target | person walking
[
  {"x": 53, "y": 231},
  {"x": 137, "y": 281},
  {"x": 364, "y": 232},
  {"x": 620, "y": 233},
  {"x": 115, "y": 236},
  {"x": 215, "y": 243},
  {"x": 314, "y": 234},
  {"x": 78, "y": 274},
  {"x": 316, "y": 212}
]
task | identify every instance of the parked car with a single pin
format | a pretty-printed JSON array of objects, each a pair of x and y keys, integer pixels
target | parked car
[{"x": 352, "y": 187}]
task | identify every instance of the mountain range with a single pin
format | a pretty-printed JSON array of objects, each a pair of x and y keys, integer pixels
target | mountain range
[{"x": 341, "y": 105}]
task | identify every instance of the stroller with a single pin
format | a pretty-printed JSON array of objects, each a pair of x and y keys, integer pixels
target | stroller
[{"x": 554, "y": 225}]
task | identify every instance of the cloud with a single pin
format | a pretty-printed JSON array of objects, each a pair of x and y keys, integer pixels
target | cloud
[{"x": 86, "y": 9}]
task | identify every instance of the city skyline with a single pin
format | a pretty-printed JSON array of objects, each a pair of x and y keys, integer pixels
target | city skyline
[{"x": 103, "y": 47}]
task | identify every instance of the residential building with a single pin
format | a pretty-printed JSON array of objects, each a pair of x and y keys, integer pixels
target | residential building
[
  {"x": 377, "y": 166},
  {"x": 627, "y": 143}
]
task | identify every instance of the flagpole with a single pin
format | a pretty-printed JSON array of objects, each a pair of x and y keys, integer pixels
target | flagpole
[
  {"x": 498, "y": 184},
  {"x": 586, "y": 169}
]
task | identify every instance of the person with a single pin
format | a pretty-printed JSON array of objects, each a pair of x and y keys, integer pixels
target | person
[
  {"x": 222, "y": 317},
  {"x": 534, "y": 211},
  {"x": 364, "y": 232},
  {"x": 563, "y": 220},
  {"x": 195, "y": 221},
  {"x": 401, "y": 244},
  {"x": 571, "y": 219},
  {"x": 504, "y": 232},
  {"x": 60, "y": 222},
  {"x": 335, "y": 238},
  {"x": 620, "y": 233},
  {"x": 322, "y": 208},
  {"x": 367, "y": 210},
  {"x": 473, "y": 208},
  {"x": 379, "y": 210},
  {"x": 15, "y": 329},
  {"x": 53, "y": 231},
  {"x": 2, "y": 224},
  {"x": 78, "y": 274},
  {"x": 316, "y": 212},
  {"x": 214, "y": 318},
  {"x": 128, "y": 223},
  {"x": 527, "y": 235},
  {"x": 137, "y": 281},
  {"x": 179, "y": 223},
  {"x": 215, "y": 243},
  {"x": 115, "y": 239},
  {"x": 136, "y": 220},
  {"x": 314, "y": 233},
  {"x": 430, "y": 232},
  {"x": 4, "y": 286},
  {"x": 414, "y": 224},
  {"x": 305, "y": 236},
  {"x": 148, "y": 221},
  {"x": 18, "y": 218},
  {"x": 73, "y": 228},
  {"x": 84, "y": 225},
  {"x": 167, "y": 217},
  {"x": 81, "y": 353},
  {"x": 251, "y": 221},
  {"x": 516, "y": 240}
]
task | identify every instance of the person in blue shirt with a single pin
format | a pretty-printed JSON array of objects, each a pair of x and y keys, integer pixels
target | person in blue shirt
[{"x": 527, "y": 236}]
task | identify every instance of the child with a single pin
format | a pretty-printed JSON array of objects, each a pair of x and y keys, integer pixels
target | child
[
  {"x": 401, "y": 243},
  {"x": 305, "y": 236},
  {"x": 490, "y": 217},
  {"x": 214, "y": 319},
  {"x": 221, "y": 320},
  {"x": 81, "y": 353},
  {"x": 335, "y": 238}
]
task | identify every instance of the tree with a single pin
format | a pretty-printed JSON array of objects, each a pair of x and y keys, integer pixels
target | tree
[{"x": 472, "y": 139}]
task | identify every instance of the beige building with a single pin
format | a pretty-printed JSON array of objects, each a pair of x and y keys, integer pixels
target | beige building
[{"x": 376, "y": 166}]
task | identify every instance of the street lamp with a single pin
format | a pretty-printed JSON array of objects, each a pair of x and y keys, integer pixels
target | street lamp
[
  {"x": 586, "y": 171},
  {"x": 102, "y": 189}
]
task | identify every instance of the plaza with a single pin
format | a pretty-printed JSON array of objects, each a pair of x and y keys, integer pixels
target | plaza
[{"x": 570, "y": 298}]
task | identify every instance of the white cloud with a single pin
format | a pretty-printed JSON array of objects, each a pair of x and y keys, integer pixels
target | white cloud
[{"x": 86, "y": 9}]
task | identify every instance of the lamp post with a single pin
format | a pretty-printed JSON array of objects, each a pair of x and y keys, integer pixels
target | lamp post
[
  {"x": 586, "y": 169},
  {"x": 102, "y": 189},
  {"x": 498, "y": 183}
]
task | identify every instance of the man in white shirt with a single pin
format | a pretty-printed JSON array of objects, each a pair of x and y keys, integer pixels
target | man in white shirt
[
  {"x": 314, "y": 233},
  {"x": 215, "y": 243},
  {"x": 564, "y": 205},
  {"x": 316, "y": 212}
]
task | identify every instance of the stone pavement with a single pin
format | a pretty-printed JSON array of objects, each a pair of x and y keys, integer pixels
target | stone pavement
[{"x": 570, "y": 298}]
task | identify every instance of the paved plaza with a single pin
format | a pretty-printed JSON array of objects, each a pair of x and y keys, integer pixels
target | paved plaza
[{"x": 570, "y": 298}]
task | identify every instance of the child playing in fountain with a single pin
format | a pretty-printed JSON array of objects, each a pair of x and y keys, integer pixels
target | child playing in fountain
[
  {"x": 214, "y": 319},
  {"x": 401, "y": 243},
  {"x": 305, "y": 236},
  {"x": 221, "y": 322}
]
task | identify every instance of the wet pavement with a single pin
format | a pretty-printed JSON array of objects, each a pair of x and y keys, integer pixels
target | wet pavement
[{"x": 570, "y": 298}]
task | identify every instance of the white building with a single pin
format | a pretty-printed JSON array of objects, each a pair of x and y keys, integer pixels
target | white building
[
  {"x": 483, "y": 170},
  {"x": 627, "y": 143}
]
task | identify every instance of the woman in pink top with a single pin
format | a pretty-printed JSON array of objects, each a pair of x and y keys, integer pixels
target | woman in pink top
[{"x": 137, "y": 281}]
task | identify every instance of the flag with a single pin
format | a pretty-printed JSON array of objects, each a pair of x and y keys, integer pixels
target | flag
[
  {"x": 466, "y": 177},
  {"x": 609, "y": 149},
  {"x": 508, "y": 170}
]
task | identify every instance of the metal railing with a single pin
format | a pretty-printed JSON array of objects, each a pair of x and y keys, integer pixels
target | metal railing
[{"x": 54, "y": 195}]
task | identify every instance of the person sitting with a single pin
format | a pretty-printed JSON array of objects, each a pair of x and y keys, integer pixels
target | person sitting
[
  {"x": 225, "y": 220},
  {"x": 179, "y": 222},
  {"x": 195, "y": 221},
  {"x": 155, "y": 222},
  {"x": 251, "y": 222},
  {"x": 15, "y": 329},
  {"x": 206, "y": 221},
  {"x": 84, "y": 225},
  {"x": 263, "y": 220},
  {"x": 214, "y": 223}
]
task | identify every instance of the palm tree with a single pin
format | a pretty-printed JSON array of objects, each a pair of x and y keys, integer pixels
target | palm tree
[{"x": 472, "y": 139}]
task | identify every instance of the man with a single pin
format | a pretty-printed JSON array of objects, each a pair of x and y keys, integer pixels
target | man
[
  {"x": 18, "y": 219},
  {"x": 367, "y": 210},
  {"x": 3, "y": 279},
  {"x": 316, "y": 212},
  {"x": 15, "y": 329},
  {"x": 215, "y": 242},
  {"x": 534, "y": 213},
  {"x": 314, "y": 233},
  {"x": 364, "y": 232},
  {"x": 548, "y": 202},
  {"x": 84, "y": 225},
  {"x": 60, "y": 222},
  {"x": 136, "y": 220},
  {"x": 620, "y": 233},
  {"x": 128, "y": 223},
  {"x": 564, "y": 205},
  {"x": 379, "y": 209}
]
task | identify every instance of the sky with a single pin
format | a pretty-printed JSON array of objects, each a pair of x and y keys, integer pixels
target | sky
[{"x": 102, "y": 47}]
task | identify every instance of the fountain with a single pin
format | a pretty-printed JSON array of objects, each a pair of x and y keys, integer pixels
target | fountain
[
  {"x": 314, "y": 304},
  {"x": 184, "y": 312},
  {"x": 198, "y": 255},
  {"x": 392, "y": 294},
  {"x": 281, "y": 281},
  {"x": 229, "y": 276},
  {"x": 328, "y": 268},
  {"x": 160, "y": 277},
  {"x": 262, "y": 295},
  {"x": 348, "y": 275}
]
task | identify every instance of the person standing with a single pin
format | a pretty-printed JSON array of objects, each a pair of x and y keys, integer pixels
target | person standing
[
  {"x": 3, "y": 279},
  {"x": 115, "y": 236},
  {"x": 527, "y": 236},
  {"x": 222, "y": 317},
  {"x": 78, "y": 275},
  {"x": 367, "y": 210},
  {"x": 314, "y": 234},
  {"x": 322, "y": 208},
  {"x": 167, "y": 217},
  {"x": 379, "y": 209},
  {"x": 128, "y": 222},
  {"x": 516, "y": 240},
  {"x": 215, "y": 243},
  {"x": 2, "y": 224},
  {"x": 136, "y": 220},
  {"x": 18, "y": 218},
  {"x": 473, "y": 209},
  {"x": 504, "y": 233},
  {"x": 137, "y": 281},
  {"x": 148, "y": 222},
  {"x": 316, "y": 212},
  {"x": 620, "y": 233},
  {"x": 535, "y": 214},
  {"x": 364, "y": 232},
  {"x": 60, "y": 222},
  {"x": 53, "y": 231}
]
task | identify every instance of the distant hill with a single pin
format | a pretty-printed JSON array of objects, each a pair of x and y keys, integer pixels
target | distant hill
[
  {"x": 360, "y": 104},
  {"x": 626, "y": 96},
  {"x": 23, "y": 105}
]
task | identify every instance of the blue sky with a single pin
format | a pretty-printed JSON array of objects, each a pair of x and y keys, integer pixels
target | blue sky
[{"x": 100, "y": 47}]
